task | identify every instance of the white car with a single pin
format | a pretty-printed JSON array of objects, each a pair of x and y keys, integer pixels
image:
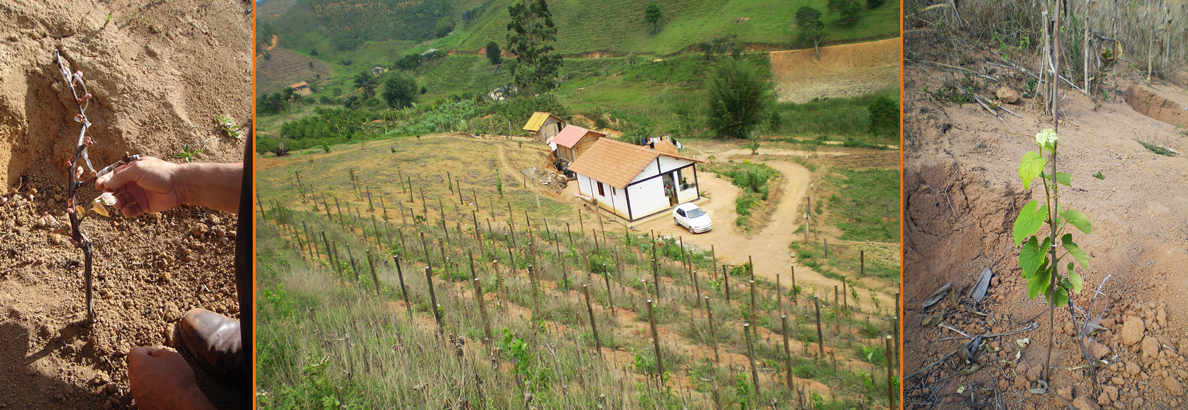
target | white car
[{"x": 692, "y": 218}]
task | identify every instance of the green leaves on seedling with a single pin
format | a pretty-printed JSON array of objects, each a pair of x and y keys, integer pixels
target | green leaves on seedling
[
  {"x": 1035, "y": 254},
  {"x": 1031, "y": 167}
]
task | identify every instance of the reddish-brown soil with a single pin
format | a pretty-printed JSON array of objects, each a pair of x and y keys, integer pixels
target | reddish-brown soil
[
  {"x": 847, "y": 70},
  {"x": 961, "y": 195},
  {"x": 160, "y": 73}
]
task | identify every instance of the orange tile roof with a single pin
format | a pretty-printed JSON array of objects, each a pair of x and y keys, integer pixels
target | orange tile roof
[
  {"x": 617, "y": 163},
  {"x": 571, "y": 134}
]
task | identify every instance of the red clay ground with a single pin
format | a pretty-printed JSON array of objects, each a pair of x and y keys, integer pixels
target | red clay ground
[
  {"x": 961, "y": 195},
  {"x": 160, "y": 73}
]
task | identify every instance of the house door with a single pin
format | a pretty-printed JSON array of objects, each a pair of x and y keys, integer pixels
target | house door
[{"x": 670, "y": 189}]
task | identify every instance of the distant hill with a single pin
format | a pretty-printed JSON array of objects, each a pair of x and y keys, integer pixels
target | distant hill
[{"x": 332, "y": 27}]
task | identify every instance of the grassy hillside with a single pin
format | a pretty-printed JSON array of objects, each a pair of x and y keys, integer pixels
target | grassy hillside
[
  {"x": 618, "y": 26},
  {"x": 335, "y": 29}
]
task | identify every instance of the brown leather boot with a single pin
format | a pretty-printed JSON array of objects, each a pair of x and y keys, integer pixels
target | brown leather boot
[
  {"x": 160, "y": 378},
  {"x": 214, "y": 342}
]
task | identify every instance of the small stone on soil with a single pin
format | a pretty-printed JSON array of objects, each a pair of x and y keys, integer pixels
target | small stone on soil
[
  {"x": 1132, "y": 330},
  {"x": 1096, "y": 349},
  {"x": 1084, "y": 403}
]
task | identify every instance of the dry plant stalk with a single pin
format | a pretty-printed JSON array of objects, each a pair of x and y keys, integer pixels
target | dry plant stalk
[{"x": 75, "y": 172}]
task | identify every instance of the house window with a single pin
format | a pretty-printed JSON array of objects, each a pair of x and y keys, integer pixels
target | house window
[
  {"x": 600, "y": 191},
  {"x": 612, "y": 191}
]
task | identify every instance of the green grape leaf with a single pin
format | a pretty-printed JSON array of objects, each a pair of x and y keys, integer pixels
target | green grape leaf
[
  {"x": 1075, "y": 280},
  {"x": 1077, "y": 219},
  {"x": 1060, "y": 298},
  {"x": 1037, "y": 283},
  {"x": 1064, "y": 178},
  {"x": 1030, "y": 167},
  {"x": 1029, "y": 220},
  {"x": 1031, "y": 257},
  {"x": 1074, "y": 250}
]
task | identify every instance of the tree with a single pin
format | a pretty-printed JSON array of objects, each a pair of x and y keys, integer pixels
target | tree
[
  {"x": 652, "y": 15},
  {"x": 530, "y": 36},
  {"x": 739, "y": 97},
  {"x": 848, "y": 9},
  {"x": 812, "y": 30},
  {"x": 493, "y": 54},
  {"x": 444, "y": 26},
  {"x": 399, "y": 91},
  {"x": 884, "y": 117},
  {"x": 367, "y": 82}
]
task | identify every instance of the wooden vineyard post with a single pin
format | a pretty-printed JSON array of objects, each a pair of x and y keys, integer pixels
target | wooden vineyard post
[
  {"x": 339, "y": 208},
  {"x": 825, "y": 243},
  {"x": 726, "y": 282},
  {"x": 403, "y": 290},
  {"x": 845, "y": 300},
  {"x": 751, "y": 359},
  {"x": 353, "y": 267},
  {"x": 820, "y": 336},
  {"x": 610, "y": 299},
  {"x": 593, "y": 326},
  {"x": 370, "y": 205},
  {"x": 684, "y": 256},
  {"x": 709, "y": 318},
  {"x": 326, "y": 207},
  {"x": 424, "y": 204},
  {"x": 374, "y": 276},
  {"x": 337, "y": 263},
  {"x": 433, "y": 301},
  {"x": 385, "y": 208},
  {"x": 787, "y": 351},
  {"x": 836, "y": 321},
  {"x": 779, "y": 295},
  {"x": 410, "y": 189},
  {"x": 445, "y": 229},
  {"x": 477, "y": 229},
  {"x": 379, "y": 240},
  {"x": 655, "y": 267},
  {"x": 581, "y": 225},
  {"x": 751, "y": 312},
  {"x": 861, "y": 263},
  {"x": 795, "y": 294},
  {"x": 890, "y": 374},
  {"x": 478, "y": 298},
  {"x": 564, "y": 268},
  {"x": 655, "y": 342},
  {"x": 329, "y": 255}
]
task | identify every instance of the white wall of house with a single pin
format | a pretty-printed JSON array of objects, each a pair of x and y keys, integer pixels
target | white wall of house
[
  {"x": 647, "y": 197},
  {"x": 612, "y": 198}
]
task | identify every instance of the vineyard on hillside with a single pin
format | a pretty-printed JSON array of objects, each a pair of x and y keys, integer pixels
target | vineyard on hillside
[{"x": 464, "y": 286}]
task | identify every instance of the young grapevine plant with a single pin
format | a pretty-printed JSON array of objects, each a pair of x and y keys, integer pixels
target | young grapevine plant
[{"x": 1038, "y": 257}]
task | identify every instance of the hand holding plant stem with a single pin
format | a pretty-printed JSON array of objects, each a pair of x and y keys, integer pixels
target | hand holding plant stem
[{"x": 1037, "y": 259}]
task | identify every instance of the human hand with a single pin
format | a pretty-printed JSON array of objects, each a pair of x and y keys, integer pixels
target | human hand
[{"x": 143, "y": 186}]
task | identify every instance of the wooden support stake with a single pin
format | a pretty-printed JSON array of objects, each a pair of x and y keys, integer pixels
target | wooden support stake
[
  {"x": 329, "y": 255},
  {"x": 370, "y": 205},
  {"x": 478, "y": 297},
  {"x": 354, "y": 268},
  {"x": 709, "y": 318},
  {"x": 385, "y": 207},
  {"x": 655, "y": 266},
  {"x": 593, "y": 326},
  {"x": 751, "y": 313},
  {"x": 751, "y": 358},
  {"x": 433, "y": 301},
  {"x": 890, "y": 374},
  {"x": 374, "y": 276},
  {"x": 726, "y": 283},
  {"x": 820, "y": 336},
  {"x": 861, "y": 263},
  {"x": 403, "y": 291},
  {"x": 787, "y": 352},
  {"x": 655, "y": 342}
]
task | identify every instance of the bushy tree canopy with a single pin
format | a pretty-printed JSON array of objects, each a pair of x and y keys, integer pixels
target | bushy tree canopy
[
  {"x": 740, "y": 97},
  {"x": 400, "y": 91}
]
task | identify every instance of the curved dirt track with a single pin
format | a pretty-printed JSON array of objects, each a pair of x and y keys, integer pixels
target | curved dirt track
[{"x": 768, "y": 247}]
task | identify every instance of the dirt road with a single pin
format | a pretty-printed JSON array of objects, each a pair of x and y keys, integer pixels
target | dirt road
[{"x": 768, "y": 246}]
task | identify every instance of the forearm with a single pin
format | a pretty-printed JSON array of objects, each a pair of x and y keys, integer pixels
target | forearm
[{"x": 210, "y": 185}]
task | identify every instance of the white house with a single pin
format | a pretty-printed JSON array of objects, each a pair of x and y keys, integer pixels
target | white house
[{"x": 635, "y": 181}]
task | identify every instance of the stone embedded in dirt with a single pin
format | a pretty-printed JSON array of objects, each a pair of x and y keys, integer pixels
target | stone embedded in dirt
[
  {"x": 1111, "y": 392},
  {"x": 1007, "y": 95},
  {"x": 1132, "y": 330},
  {"x": 198, "y": 229},
  {"x": 1173, "y": 386},
  {"x": 1096, "y": 349},
  {"x": 1160, "y": 316},
  {"x": 1132, "y": 369},
  {"x": 1150, "y": 348}
]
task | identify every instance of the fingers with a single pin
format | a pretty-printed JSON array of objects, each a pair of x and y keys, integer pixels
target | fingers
[
  {"x": 132, "y": 200},
  {"x": 123, "y": 174}
]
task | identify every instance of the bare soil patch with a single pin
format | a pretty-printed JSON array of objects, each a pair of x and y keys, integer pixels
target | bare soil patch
[{"x": 848, "y": 70}]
